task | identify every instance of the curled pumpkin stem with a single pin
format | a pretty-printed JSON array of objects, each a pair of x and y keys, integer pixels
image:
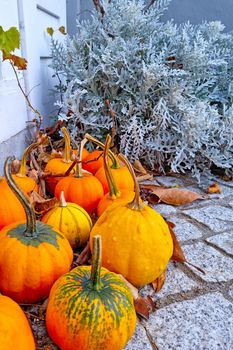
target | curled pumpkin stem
[
  {"x": 113, "y": 190},
  {"x": 22, "y": 170},
  {"x": 67, "y": 149},
  {"x": 79, "y": 158},
  {"x": 115, "y": 163},
  {"x": 136, "y": 203},
  {"x": 31, "y": 218}
]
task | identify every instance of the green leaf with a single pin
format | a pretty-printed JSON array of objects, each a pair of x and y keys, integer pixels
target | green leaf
[
  {"x": 50, "y": 31},
  {"x": 62, "y": 29},
  {"x": 9, "y": 40}
]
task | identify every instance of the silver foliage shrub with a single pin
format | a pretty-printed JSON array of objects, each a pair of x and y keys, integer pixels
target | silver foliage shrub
[{"x": 170, "y": 86}]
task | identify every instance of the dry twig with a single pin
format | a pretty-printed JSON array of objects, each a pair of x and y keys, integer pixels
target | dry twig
[{"x": 40, "y": 117}]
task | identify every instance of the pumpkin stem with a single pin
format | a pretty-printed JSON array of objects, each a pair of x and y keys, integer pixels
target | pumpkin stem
[
  {"x": 135, "y": 204},
  {"x": 31, "y": 218},
  {"x": 113, "y": 190},
  {"x": 115, "y": 163},
  {"x": 96, "y": 262},
  {"x": 67, "y": 149},
  {"x": 22, "y": 169},
  {"x": 62, "y": 202},
  {"x": 80, "y": 157}
]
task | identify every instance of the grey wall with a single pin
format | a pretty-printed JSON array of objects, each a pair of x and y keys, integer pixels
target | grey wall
[{"x": 195, "y": 11}]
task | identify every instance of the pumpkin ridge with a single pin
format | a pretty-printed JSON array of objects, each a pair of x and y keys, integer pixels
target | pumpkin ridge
[
  {"x": 60, "y": 221},
  {"x": 81, "y": 211},
  {"x": 93, "y": 307},
  {"x": 73, "y": 217}
]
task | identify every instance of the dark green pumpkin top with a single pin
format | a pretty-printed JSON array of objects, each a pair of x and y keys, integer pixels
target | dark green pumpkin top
[{"x": 44, "y": 234}]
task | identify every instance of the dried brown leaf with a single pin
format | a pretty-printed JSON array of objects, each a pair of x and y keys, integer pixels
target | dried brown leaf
[
  {"x": 139, "y": 168},
  {"x": 151, "y": 187},
  {"x": 159, "y": 282},
  {"x": 173, "y": 196},
  {"x": 62, "y": 30},
  {"x": 214, "y": 188},
  {"x": 33, "y": 173},
  {"x": 178, "y": 254},
  {"x": 144, "y": 177},
  {"x": 84, "y": 256},
  {"x": 19, "y": 62},
  {"x": 141, "y": 308},
  {"x": 144, "y": 306},
  {"x": 40, "y": 204},
  {"x": 15, "y": 166}
]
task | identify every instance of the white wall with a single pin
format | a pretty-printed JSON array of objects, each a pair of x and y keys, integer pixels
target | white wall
[{"x": 13, "y": 114}]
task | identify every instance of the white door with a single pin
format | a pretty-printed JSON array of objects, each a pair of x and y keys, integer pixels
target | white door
[{"x": 36, "y": 16}]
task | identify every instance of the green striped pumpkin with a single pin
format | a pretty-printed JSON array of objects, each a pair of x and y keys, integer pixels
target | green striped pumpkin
[
  {"x": 92, "y": 308},
  {"x": 70, "y": 219}
]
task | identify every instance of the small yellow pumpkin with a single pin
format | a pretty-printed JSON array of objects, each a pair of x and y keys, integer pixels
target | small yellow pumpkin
[{"x": 70, "y": 219}]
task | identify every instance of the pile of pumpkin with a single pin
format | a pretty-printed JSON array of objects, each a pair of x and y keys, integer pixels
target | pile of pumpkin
[{"x": 89, "y": 307}]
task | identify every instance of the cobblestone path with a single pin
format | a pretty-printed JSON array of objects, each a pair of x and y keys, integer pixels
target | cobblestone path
[{"x": 194, "y": 311}]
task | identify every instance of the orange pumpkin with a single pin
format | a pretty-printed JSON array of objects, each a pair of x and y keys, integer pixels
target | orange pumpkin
[
  {"x": 91, "y": 308},
  {"x": 136, "y": 239},
  {"x": 120, "y": 173},
  {"x": 121, "y": 176},
  {"x": 59, "y": 166},
  {"x": 85, "y": 153},
  {"x": 10, "y": 207},
  {"x": 93, "y": 161},
  {"x": 27, "y": 184},
  {"x": 15, "y": 331},
  {"x": 83, "y": 189},
  {"x": 42, "y": 253},
  {"x": 114, "y": 195},
  {"x": 70, "y": 219}
]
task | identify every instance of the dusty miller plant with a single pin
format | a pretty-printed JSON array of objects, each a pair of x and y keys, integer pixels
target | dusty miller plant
[{"x": 170, "y": 86}]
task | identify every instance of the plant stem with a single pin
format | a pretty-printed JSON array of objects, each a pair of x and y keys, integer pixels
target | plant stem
[
  {"x": 27, "y": 99},
  {"x": 113, "y": 190},
  {"x": 96, "y": 262},
  {"x": 62, "y": 202},
  {"x": 115, "y": 163},
  {"x": 22, "y": 169},
  {"x": 79, "y": 157},
  {"x": 67, "y": 149},
  {"x": 31, "y": 218},
  {"x": 135, "y": 204}
]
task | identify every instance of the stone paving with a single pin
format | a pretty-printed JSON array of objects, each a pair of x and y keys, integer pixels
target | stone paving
[{"x": 194, "y": 311}]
